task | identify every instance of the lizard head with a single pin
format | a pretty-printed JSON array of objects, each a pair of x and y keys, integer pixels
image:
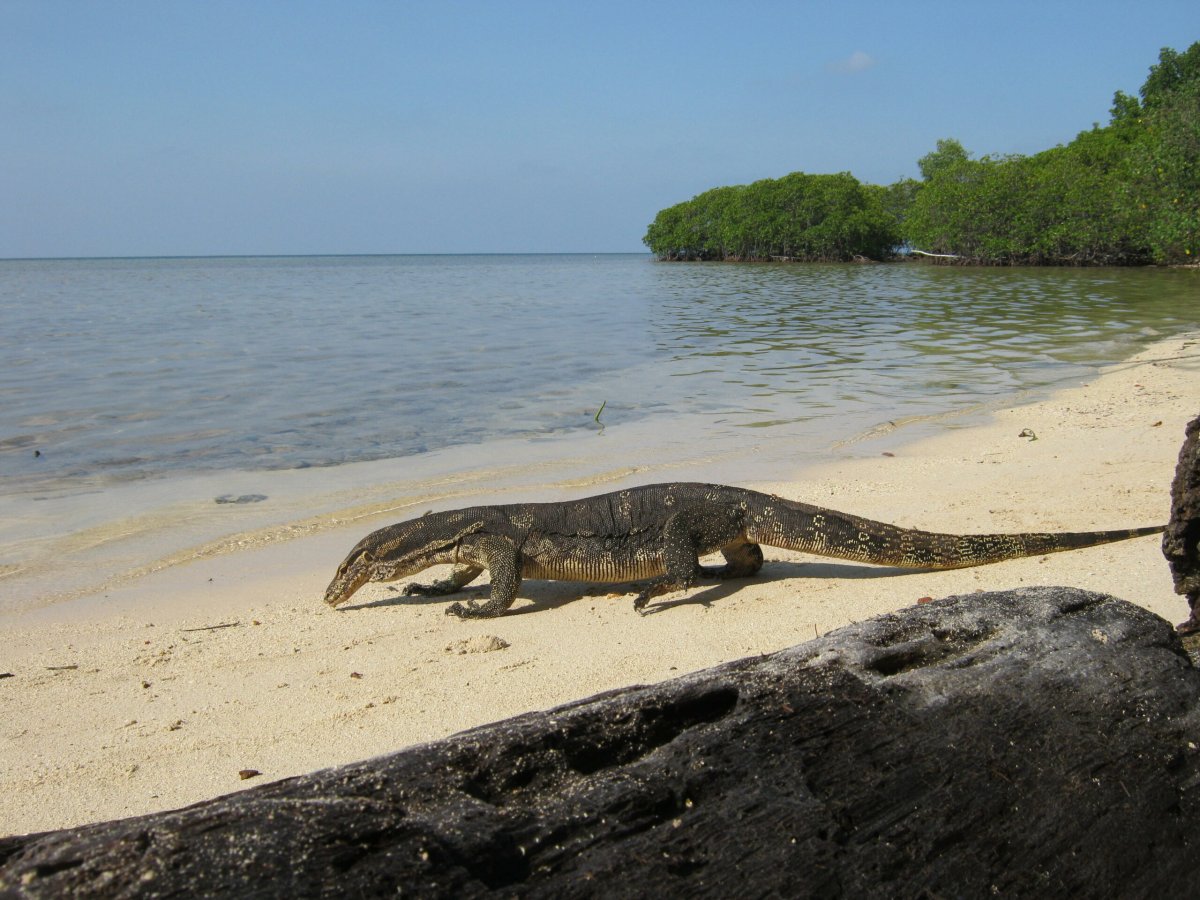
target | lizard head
[
  {"x": 353, "y": 573},
  {"x": 397, "y": 552}
]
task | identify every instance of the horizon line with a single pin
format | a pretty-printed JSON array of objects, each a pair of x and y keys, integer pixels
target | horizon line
[{"x": 327, "y": 255}]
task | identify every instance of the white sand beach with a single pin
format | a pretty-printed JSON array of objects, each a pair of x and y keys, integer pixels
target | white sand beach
[{"x": 161, "y": 692}]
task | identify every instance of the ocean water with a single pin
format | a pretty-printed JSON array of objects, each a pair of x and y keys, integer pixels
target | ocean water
[{"x": 143, "y": 390}]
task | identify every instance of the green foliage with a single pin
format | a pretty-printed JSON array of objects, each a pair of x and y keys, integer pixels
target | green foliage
[
  {"x": 1173, "y": 73},
  {"x": 898, "y": 199},
  {"x": 1125, "y": 193},
  {"x": 797, "y": 217},
  {"x": 1062, "y": 206},
  {"x": 1126, "y": 111},
  {"x": 1164, "y": 186},
  {"x": 948, "y": 155}
]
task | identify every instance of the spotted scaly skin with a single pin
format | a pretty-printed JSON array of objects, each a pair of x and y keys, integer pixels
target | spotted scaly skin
[{"x": 658, "y": 532}]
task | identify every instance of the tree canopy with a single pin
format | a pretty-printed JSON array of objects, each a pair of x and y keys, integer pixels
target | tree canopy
[
  {"x": 798, "y": 217},
  {"x": 1124, "y": 193}
]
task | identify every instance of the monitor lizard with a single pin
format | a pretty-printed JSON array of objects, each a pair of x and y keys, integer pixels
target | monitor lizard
[{"x": 657, "y": 532}]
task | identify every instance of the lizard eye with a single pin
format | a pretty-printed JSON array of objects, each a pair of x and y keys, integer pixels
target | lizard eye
[{"x": 361, "y": 560}]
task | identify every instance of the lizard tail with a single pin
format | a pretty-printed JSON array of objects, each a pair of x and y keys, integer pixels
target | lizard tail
[
  {"x": 809, "y": 529},
  {"x": 959, "y": 551}
]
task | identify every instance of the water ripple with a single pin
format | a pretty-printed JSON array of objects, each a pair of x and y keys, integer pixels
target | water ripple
[{"x": 138, "y": 368}]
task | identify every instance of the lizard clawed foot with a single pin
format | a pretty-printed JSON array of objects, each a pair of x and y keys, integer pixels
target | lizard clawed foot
[
  {"x": 662, "y": 586},
  {"x": 471, "y": 610},
  {"x": 437, "y": 589}
]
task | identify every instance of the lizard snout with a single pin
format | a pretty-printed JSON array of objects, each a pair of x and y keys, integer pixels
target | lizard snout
[{"x": 348, "y": 580}]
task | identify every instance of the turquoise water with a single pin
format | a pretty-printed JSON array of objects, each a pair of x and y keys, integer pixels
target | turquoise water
[{"x": 135, "y": 393}]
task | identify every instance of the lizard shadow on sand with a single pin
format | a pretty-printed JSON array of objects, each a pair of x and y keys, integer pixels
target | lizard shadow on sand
[
  {"x": 545, "y": 595},
  {"x": 778, "y": 570},
  {"x": 548, "y": 595}
]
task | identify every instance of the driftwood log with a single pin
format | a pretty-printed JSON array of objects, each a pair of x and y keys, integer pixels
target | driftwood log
[
  {"x": 1038, "y": 742},
  {"x": 1181, "y": 541}
]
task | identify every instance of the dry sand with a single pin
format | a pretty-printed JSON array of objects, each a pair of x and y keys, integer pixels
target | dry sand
[{"x": 132, "y": 703}]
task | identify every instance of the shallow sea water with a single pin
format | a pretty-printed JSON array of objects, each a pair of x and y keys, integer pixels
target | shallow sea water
[{"x": 134, "y": 393}]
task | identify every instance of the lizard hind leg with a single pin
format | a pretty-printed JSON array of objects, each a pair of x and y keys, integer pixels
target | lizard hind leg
[{"x": 742, "y": 559}]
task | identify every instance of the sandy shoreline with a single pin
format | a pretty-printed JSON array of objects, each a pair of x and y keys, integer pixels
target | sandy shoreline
[{"x": 136, "y": 704}]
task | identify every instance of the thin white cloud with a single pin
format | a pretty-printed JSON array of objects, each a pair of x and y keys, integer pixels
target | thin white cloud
[{"x": 858, "y": 61}]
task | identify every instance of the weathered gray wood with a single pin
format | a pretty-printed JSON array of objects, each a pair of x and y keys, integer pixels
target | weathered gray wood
[
  {"x": 1181, "y": 541},
  {"x": 1039, "y": 742}
]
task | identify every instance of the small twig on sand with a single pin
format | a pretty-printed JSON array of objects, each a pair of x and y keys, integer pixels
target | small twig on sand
[{"x": 213, "y": 627}]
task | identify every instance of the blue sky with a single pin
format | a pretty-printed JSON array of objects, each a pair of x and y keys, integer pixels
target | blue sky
[{"x": 173, "y": 127}]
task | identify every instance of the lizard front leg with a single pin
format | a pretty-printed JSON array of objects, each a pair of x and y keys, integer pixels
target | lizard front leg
[
  {"x": 457, "y": 580},
  {"x": 503, "y": 562}
]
